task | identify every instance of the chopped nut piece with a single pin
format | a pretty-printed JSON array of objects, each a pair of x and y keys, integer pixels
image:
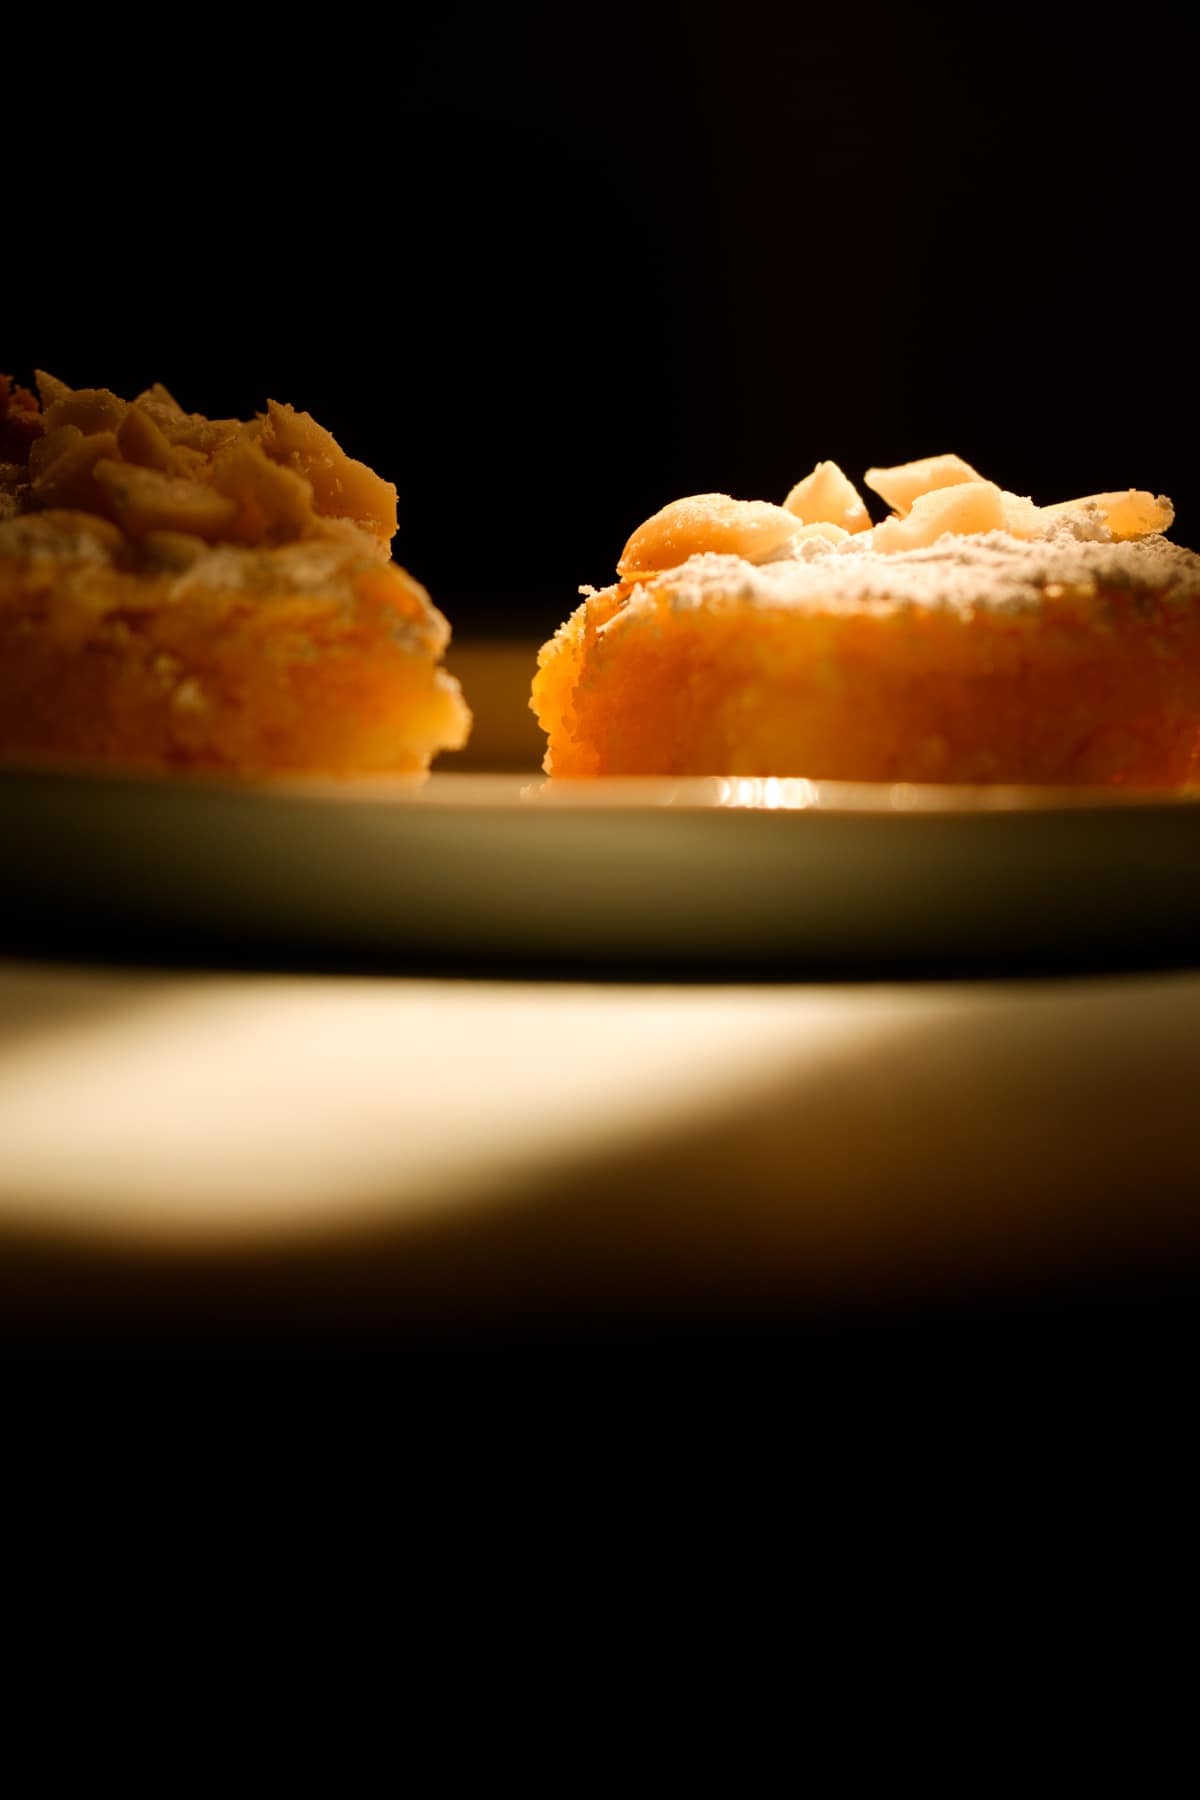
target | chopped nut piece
[
  {"x": 1130, "y": 513},
  {"x": 145, "y": 500},
  {"x": 970, "y": 506},
  {"x": 1021, "y": 517},
  {"x": 904, "y": 484},
  {"x": 339, "y": 484},
  {"x": 273, "y": 504},
  {"x": 750, "y": 528},
  {"x": 161, "y": 397},
  {"x": 91, "y": 409},
  {"x": 50, "y": 389},
  {"x": 47, "y": 449},
  {"x": 68, "y": 477},
  {"x": 167, "y": 550},
  {"x": 142, "y": 441},
  {"x": 829, "y": 496},
  {"x": 191, "y": 431}
]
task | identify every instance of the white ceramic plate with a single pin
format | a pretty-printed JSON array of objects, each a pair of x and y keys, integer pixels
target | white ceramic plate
[{"x": 732, "y": 872}]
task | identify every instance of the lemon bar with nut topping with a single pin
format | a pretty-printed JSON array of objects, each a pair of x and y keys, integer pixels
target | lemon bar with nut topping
[
  {"x": 970, "y": 636},
  {"x": 184, "y": 592}
]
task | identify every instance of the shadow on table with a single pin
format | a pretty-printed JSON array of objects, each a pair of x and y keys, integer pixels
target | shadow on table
[{"x": 991, "y": 1169}]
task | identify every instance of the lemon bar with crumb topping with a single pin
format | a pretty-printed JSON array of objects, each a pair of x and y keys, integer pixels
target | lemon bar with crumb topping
[
  {"x": 184, "y": 592},
  {"x": 969, "y": 637}
]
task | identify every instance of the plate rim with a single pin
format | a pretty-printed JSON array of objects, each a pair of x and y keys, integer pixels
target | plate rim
[{"x": 531, "y": 792}]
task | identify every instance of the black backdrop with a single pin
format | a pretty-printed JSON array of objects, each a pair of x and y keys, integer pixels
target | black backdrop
[{"x": 550, "y": 269}]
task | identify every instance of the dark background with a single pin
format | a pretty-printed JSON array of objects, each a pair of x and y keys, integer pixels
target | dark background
[{"x": 551, "y": 269}]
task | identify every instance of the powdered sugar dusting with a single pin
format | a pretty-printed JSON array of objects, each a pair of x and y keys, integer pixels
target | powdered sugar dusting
[{"x": 992, "y": 570}]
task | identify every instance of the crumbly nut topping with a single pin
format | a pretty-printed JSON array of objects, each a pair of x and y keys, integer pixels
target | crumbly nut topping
[
  {"x": 165, "y": 484},
  {"x": 953, "y": 539}
]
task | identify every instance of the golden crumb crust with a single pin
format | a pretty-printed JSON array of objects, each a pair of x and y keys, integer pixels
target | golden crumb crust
[{"x": 184, "y": 592}]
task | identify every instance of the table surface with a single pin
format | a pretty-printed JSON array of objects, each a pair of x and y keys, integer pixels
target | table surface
[{"x": 311, "y": 1145}]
